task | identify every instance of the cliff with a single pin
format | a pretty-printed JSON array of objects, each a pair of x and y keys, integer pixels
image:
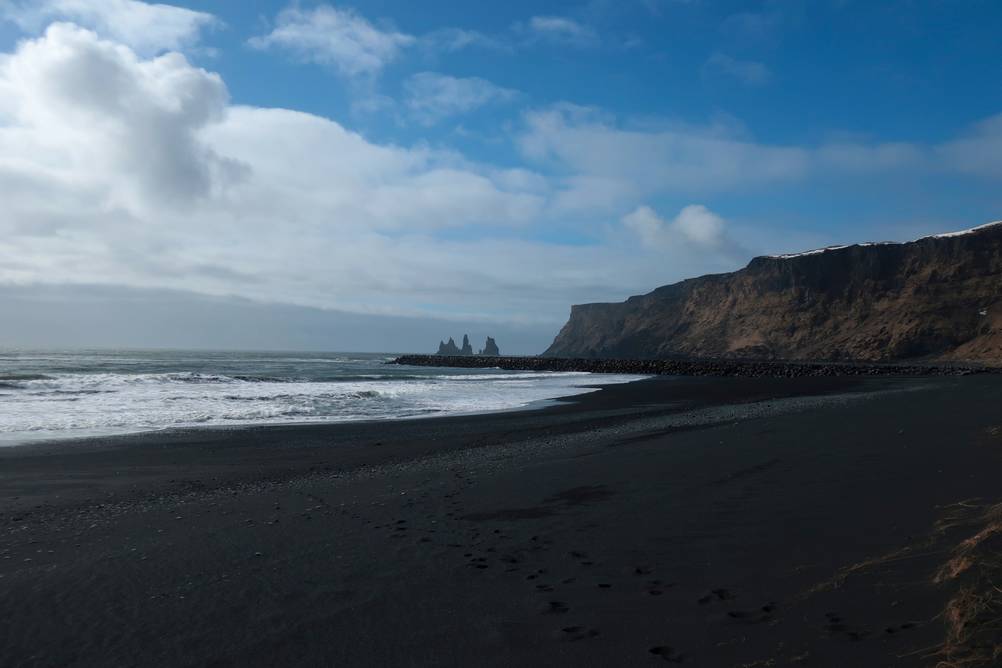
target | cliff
[{"x": 938, "y": 297}]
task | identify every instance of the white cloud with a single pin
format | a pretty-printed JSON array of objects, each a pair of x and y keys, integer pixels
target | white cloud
[
  {"x": 450, "y": 40},
  {"x": 700, "y": 225},
  {"x": 90, "y": 110},
  {"x": 978, "y": 152},
  {"x": 562, "y": 30},
  {"x": 694, "y": 224},
  {"x": 648, "y": 225},
  {"x": 339, "y": 38},
  {"x": 748, "y": 72},
  {"x": 146, "y": 28},
  {"x": 432, "y": 96},
  {"x": 635, "y": 163},
  {"x": 605, "y": 165},
  {"x": 860, "y": 157},
  {"x": 117, "y": 170},
  {"x": 121, "y": 170}
]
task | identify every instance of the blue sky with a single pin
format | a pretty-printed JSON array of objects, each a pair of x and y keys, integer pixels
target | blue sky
[{"x": 483, "y": 162}]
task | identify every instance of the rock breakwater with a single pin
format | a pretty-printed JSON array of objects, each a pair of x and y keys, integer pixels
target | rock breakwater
[{"x": 694, "y": 367}]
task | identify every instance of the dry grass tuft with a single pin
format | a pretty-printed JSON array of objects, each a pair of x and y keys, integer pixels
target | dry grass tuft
[
  {"x": 972, "y": 571},
  {"x": 973, "y": 616}
]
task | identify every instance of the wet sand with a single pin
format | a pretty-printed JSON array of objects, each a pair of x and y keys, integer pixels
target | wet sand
[{"x": 701, "y": 522}]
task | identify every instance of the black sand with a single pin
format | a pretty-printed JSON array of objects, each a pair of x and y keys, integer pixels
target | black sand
[{"x": 621, "y": 528}]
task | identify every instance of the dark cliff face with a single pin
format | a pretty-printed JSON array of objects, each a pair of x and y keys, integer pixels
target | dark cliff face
[{"x": 938, "y": 297}]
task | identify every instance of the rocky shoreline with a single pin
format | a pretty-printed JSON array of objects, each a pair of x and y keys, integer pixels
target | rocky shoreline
[{"x": 696, "y": 367}]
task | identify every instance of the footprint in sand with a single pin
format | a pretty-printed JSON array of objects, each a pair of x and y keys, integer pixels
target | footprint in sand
[
  {"x": 837, "y": 627},
  {"x": 555, "y": 608},
  {"x": 716, "y": 595},
  {"x": 667, "y": 653},
  {"x": 574, "y": 633}
]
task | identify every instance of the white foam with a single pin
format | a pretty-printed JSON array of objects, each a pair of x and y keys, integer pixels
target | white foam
[{"x": 72, "y": 405}]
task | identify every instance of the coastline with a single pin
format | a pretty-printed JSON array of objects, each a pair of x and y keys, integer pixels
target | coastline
[
  {"x": 693, "y": 519},
  {"x": 102, "y": 435},
  {"x": 715, "y": 367},
  {"x": 241, "y": 451}
]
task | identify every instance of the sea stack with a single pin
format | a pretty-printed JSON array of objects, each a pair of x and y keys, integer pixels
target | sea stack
[
  {"x": 467, "y": 349},
  {"x": 448, "y": 348},
  {"x": 491, "y": 348},
  {"x": 451, "y": 349}
]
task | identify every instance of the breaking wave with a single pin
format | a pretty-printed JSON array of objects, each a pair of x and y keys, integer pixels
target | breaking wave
[{"x": 69, "y": 395}]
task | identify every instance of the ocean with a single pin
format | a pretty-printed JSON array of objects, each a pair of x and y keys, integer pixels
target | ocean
[{"x": 59, "y": 394}]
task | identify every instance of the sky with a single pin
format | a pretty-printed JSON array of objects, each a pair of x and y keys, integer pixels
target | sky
[{"x": 382, "y": 174}]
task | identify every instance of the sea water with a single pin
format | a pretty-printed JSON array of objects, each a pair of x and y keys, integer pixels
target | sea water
[{"x": 57, "y": 394}]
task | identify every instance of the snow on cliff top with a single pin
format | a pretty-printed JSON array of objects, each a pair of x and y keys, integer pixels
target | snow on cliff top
[
  {"x": 945, "y": 235},
  {"x": 963, "y": 232}
]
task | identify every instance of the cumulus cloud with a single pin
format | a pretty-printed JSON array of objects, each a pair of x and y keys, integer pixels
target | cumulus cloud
[
  {"x": 334, "y": 37},
  {"x": 118, "y": 170},
  {"x": 146, "y": 28},
  {"x": 432, "y": 97},
  {"x": 91, "y": 111},
  {"x": 747, "y": 72},
  {"x": 694, "y": 224}
]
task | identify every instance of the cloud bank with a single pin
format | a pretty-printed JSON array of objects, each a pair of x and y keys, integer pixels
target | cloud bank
[
  {"x": 146, "y": 28},
  {"x": 120, "y": 170}
]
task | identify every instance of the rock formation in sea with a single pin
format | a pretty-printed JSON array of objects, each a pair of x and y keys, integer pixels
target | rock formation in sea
[
  {"x": 451, "y": 349},
  {"x": 448, "y": 348},
  {"x": 490, "y": 348},
  {"x": 467, "y": 349},
  {"x": 939, "y": 297}
]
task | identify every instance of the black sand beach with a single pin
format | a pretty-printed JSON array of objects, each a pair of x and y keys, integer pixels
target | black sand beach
[{"x": 689, "y": 521}]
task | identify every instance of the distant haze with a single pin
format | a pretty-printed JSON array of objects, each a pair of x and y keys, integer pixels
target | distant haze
[{"x": 100, "y": 317}]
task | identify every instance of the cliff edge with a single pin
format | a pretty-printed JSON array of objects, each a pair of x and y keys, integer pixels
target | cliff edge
[{"x": 938, "y": 297}]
